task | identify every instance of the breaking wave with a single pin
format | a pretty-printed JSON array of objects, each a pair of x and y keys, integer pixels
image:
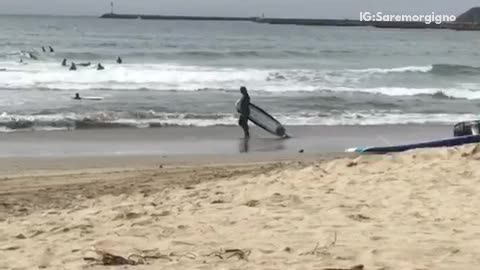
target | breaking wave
[
  {"x": 174, "y": 77},
  {"x": 70, "y": 121}
]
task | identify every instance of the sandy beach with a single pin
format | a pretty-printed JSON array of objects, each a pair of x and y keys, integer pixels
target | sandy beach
[{"x": 414, "y": 210}]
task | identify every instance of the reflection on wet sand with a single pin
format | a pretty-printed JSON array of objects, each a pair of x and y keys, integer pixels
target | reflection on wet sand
[{"x": 261, "y": 145}]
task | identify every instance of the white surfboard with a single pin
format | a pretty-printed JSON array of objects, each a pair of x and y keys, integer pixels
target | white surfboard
[
  {"x": 92, "y": 98},
  {"x": 264, "y": 120}
]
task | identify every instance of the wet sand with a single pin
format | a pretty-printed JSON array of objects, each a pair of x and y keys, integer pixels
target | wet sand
[{"x": 210, "y": 140}]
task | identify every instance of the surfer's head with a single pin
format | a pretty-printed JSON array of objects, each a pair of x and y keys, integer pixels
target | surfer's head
[{"x": 243, "y": 90}]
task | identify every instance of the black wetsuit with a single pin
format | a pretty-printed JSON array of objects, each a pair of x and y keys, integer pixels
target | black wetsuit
[{"x": 244, "y": 114}]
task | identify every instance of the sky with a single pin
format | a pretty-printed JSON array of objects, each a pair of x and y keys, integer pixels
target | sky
[{"x": 337, "y": 9}]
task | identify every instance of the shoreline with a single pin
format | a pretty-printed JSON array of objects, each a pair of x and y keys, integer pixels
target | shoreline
[
  {"x": 12, "y": 166},
  {"x": 219, "y": 140}
]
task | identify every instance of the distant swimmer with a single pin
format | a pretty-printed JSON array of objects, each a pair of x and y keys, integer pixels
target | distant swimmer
[
  {"x": 244, "y": 111},
  {"x": 84, "y": 64},
  {"x": 43, "y": 49},
  {"x": 73, "y": 67},
  {"x": 64, "y": 62},
  {"x": 51, "y": 49},
  {"x": 100, "y": 67},
  {"x": 32, "y": 56},
  {"x": 119, "y": 60},
  {"x": 77, "y": 97}
]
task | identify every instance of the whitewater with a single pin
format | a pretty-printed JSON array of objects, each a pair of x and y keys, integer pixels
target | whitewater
[{"x": 188, "y": 74}]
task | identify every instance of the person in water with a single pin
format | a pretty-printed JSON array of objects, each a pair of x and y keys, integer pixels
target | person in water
[
  {"x": 100, "y": 67},
  {"x": 77, "y": 96},
  {"x": 119, "y": 60},
  {"x": 32, "y": 56},
  {"x": 43, "y": 49},
  {"x": 73, "y": 66},
  {"x": 64, "y": 62},
  {"x": 51, "y": 49},
  {"x": 244, "y": 111}
]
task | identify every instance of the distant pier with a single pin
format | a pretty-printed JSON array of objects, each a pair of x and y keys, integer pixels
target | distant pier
[
  {"x": 173, "y": 18},
  {"x": 459, "y": 26}
]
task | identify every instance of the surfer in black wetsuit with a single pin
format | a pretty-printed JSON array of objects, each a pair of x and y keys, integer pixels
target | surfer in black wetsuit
[
  {"x": 43, "y": 49},
  {"x": 77, "y": 96},
  {"x": 244, "y": 111},
  {"x": 51, "y": 49},
  {"x": 73, "y": 67},
  {"x": 64, "y": 62},
  {"x": 119, "y": 60},
  {"x": 100, "y": 67},
  {"x": 32, "y": 56}
]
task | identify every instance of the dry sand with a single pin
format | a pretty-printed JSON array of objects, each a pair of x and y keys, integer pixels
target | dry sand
[{"x": 415, "y": 210}]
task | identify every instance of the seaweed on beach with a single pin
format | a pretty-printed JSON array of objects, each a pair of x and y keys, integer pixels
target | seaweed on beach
[
  {"x": 317, "y": 250},
  {"x": 356, "y": 267},
  {"x": 241, "y": 254},
  {"x": 109, "y": 259}
]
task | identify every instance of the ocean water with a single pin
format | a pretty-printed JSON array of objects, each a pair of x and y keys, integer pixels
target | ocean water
[{"x": 189, "y": 73}]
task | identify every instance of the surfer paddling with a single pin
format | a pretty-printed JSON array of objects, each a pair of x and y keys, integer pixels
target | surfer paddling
[
  {"x": 244, "y": 111},
  {"x": 32, "y": 56}
]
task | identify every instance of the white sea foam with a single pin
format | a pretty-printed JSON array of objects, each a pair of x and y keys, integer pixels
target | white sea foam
[
  {"x": 9, "y": 123},
  {"x": 166, "y": 77},
  {"x": 423, "y": 69}
]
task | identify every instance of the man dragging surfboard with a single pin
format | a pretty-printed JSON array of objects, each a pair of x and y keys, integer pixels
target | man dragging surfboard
[{"x": 244, "y": 111}]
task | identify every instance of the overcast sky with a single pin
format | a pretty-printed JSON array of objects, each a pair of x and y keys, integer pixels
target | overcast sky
[{"x": 271, "y": 8}]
